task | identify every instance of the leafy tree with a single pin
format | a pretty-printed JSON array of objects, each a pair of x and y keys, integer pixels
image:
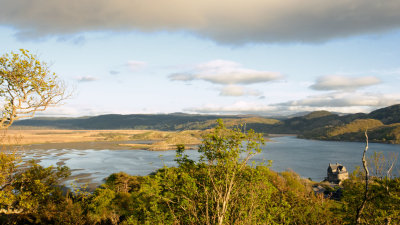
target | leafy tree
[
  {"x": 378, "y": 194},
  {"x": 122, "y": 182},
  {"x": 381, "y": 206},
  {"x": 26, "y": 86}
]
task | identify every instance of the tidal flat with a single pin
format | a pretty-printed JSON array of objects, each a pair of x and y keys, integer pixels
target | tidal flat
[{"x": 101, "y": 139}]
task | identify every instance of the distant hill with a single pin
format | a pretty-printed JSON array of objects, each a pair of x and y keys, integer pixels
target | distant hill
[
  {"x": 171, "y": 122},
  {"x": 383, "y": 124},
  {"x": 387, "y": 115}
]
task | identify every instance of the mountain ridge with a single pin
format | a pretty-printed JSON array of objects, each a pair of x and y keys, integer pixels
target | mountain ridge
[{"x": 321, "y": 125}]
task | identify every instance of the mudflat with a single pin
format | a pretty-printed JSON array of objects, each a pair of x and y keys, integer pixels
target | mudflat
[{"x": 100, "y": 139}]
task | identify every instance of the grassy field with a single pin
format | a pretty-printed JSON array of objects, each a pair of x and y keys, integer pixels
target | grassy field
[
  {"x": 24, "y": 137},
  {"x": 167, "y": 140},
  {"x": 158, "y": 140}
]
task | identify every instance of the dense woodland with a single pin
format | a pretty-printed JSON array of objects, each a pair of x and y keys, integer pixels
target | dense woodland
[
  {"x": 221, "y": 188},
  {"x": 383, "y": 124}
]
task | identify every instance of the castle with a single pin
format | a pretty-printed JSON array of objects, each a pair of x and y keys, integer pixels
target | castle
[{"x": 337, "y": 173}]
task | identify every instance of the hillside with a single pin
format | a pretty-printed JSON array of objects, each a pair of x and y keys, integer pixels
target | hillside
[
  {"x": 164, "y": 122},
  {"x": 387, "y": 115},
  {"x": 383, "y": 124}
]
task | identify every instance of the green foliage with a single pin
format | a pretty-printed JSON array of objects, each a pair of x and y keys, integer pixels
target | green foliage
[
  {"x": 26, "y": 86},
  {"x": 32, "y": 192},
  {"x": 37, "y": 185},
  {"x": 122, "y": 182},
  {"x": 382, "y": 203},
  {"x": 317, "y": 114},
  {"x": 101, "y": 207},
  {"x": 387, "y": 115},
  {"x": 164, "y": 122},
  {"x": 383, "y": 193},
  {"x": 354, "y": 131},
  {"x": 359, "y": 125},
  {"x": 221, "y": 188},
  {"x": 8, "y": 167}
]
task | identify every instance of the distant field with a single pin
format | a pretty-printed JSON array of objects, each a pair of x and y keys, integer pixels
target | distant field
[
  {"x": 24, "y": 137},
  {"x": 160, "y": 140}
]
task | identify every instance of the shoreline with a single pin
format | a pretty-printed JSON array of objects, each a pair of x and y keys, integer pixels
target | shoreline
[
  {"x": 281, "y": 135},
  {"x": 100, "y": 145}
]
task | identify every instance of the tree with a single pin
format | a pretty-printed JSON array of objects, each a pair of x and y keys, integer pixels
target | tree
[
  {"x": 364, "y": 161},
  {"x": 26, "y": 86},
  {"x": 221, "y": 188},
  {"x": 378, "y": 194},
  {"x": 222, "y": 150}
]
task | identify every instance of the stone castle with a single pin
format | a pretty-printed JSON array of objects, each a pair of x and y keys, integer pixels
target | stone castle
[{"x": 337, "y": 173}]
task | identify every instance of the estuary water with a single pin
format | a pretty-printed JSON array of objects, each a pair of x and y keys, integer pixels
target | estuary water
[{"x": 309, "y": 158}]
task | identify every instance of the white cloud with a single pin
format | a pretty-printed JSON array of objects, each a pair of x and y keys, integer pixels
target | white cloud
[
  {"x": 114, "y": 72},
  {"x": 77, "y": 40},
  {"x": 234, "y": 90},
  {"x": 86, "y": 79},
  {"x": 71, "y": 110},
  {"x": 335, "y": 102},
  {"x": 225, "y": 72},
  {"x": 343, "y": 83},
  {"x": 136, "y": 65},
  {"x": 224, "y": 20},
  {"x": 346, "y": 100},
  {"x": 241, "y": 107},
  {"x": 58, "y": 111}
]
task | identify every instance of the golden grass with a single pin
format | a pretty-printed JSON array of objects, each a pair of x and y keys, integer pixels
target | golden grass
[
  {"x": 156, "y": 146},
  {"x": 160, "y": 140},
  {"x": 167, "y": 140},
  {"x": 163, "y": 140},
  {"x": 67, "y": 136}
]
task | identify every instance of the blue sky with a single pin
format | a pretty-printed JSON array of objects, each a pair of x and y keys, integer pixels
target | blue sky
[{"x": 226, "y": 57}]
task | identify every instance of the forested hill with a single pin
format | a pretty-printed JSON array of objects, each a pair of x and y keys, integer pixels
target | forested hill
[
  {"x": 172, "y": 122},
  {"x": 388, "y": 115},
  {"x": 383, "y": 124}
]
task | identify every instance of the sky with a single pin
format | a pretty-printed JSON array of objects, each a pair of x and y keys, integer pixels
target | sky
[{"x": 263, "y": 57}]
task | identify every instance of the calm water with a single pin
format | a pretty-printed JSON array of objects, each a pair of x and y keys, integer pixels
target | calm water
[{"x": 309, "y": 158}]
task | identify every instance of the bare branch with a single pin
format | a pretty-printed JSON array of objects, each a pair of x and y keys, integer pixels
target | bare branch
[
  {"x": 364, "y": 161},
  {"x": 26, "y": 86}
]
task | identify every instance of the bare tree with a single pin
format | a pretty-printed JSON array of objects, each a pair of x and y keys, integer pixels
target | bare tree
[
  {"x": 26, "y": 86},
  {"x": 364, "y": 161}
]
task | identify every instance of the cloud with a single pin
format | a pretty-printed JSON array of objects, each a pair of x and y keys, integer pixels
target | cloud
[
  {"x": 234, "y": 90},
  {"x": 241, "y": 107},
  {"x": 346, "y": 100},
  {"x": 334, "y": 102},
  {"x": 225, "y": 72},
  {"x": 77, "y": 40},
  {"x": 86, "y": 79},
  {"x": 224, "y": 21},
  {"x": 343, "y": 83},
  {"x": 75, "y": 110},
  {"x": 114, "y": 72},
  {"x": 136, "y": 65}
]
